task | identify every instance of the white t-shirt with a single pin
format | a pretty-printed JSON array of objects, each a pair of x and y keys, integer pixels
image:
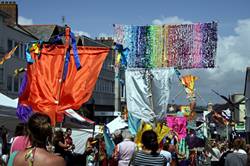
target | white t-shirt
[
  {"x": 217, "y": 152},
  {"x": 167, "y": 155}
]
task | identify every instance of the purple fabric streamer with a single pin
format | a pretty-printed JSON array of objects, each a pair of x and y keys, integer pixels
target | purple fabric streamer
[
  {"x": 23, "y": 112},
  {"x": 23, "y": 84}
]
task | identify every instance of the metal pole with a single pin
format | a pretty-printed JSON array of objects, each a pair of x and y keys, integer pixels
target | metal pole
[
  {"x": 227, "y": 132},
  {"x": 117, "y": 90}
]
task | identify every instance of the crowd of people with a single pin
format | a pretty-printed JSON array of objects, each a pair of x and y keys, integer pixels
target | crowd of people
[{"x": 37, "y": 143}]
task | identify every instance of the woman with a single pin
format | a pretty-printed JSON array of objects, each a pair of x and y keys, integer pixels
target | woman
[
  {"x": 58, "y": 141},
  {"x": 20, "y": 139},
  {"x": 149, "y": 154},
  {"x": 39, "y": 131}
]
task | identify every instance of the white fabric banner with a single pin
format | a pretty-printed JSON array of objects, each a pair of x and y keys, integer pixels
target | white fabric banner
[
  {"x": 117, "y": 123},
  {"x": 147, "y": 92}
]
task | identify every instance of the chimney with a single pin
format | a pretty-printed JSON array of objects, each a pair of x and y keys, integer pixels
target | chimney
[{"x": 10, "y": 8}]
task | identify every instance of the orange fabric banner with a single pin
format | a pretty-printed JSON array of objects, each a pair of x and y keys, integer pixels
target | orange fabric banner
[{"x": 46, "y": 92}]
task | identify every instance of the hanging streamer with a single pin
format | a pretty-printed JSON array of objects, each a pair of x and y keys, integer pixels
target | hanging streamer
[
  {"x": 147, "y": 92},
  {"x": 18, "y": 71},
  {"x": 8, "y": 55},
  {"x": 122, "y": 55},
  {"x": 75, "y": 54}
]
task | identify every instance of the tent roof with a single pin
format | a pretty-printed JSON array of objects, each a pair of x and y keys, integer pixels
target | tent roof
[{"x": 7, "y": 102}]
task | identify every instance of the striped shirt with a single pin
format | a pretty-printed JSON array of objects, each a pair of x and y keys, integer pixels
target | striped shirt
[{"x": 142, "y": 158}]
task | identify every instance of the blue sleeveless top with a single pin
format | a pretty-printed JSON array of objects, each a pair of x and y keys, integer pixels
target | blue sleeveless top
[{"x": 12, "y": 157}]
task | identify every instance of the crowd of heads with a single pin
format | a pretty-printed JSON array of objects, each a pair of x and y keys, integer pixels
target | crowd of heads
[{"x": 40, "y": 133}]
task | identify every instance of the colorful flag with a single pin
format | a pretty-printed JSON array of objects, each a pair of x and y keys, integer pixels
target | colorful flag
[
  {"x": 183, "y": 46},
  {"x": 188, "y": 81}
]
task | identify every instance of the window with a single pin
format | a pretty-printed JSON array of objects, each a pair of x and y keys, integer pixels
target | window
[
  {"x": 1, "y": 75},
  {"x": 21, "y": 51},
  {"x": 10, "y": 44},
  {"x": 16, "y": 84},
  {"x": 9, "y": 83},
  {"x": 113, "y": 87}
]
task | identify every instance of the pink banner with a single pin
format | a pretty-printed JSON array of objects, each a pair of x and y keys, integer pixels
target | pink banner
[{"x": 178, "y": 124}]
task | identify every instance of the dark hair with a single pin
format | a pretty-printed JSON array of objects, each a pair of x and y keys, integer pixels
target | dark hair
[
  {"x": 68, "y": 129},
  {"x": 239, "y": 144},
  {"x": 149, "y": 140},
  {"x": 58, "y": 136},
  {"x": 39, "y": 129},
  {"x": 21, "y": 129},
  {"x": 165, "y": 146}
]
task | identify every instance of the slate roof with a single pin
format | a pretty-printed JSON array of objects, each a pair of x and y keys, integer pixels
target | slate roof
[{"x": 44, "y": 32}]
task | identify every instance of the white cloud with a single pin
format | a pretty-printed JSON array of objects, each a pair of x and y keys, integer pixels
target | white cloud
[
  {"x": 170, "y": 20},
  {"x": 81, "y": 33},
  {"x": 24, "y": 21},
  {"x": 233, "y": 53}
]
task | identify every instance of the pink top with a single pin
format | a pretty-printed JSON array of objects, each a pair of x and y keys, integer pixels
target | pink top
[{"x": 19, "y": 143}]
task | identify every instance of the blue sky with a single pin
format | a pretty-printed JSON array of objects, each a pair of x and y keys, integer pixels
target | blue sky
[{"x": 96, "y": 17}]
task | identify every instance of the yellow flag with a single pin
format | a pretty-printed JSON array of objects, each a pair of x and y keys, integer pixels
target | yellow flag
[
  {"x": 161, "y": 130},
  {"x": 144, "y": 127},
  {"x": 188, "y": 81},
  {"x": 35, "y": 48},
  {"x": 118, "y": 59}
]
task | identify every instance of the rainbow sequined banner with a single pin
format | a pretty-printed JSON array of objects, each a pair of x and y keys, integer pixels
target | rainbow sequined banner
[{"x": 182, "y": 46}]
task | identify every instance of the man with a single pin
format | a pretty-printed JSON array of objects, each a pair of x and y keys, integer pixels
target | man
[
  {"x": 239, "y": 155},
  {"x": 125, "y": 150}
]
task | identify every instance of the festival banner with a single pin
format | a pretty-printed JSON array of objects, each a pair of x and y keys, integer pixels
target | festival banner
[{"x": 183, "y": 46}]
